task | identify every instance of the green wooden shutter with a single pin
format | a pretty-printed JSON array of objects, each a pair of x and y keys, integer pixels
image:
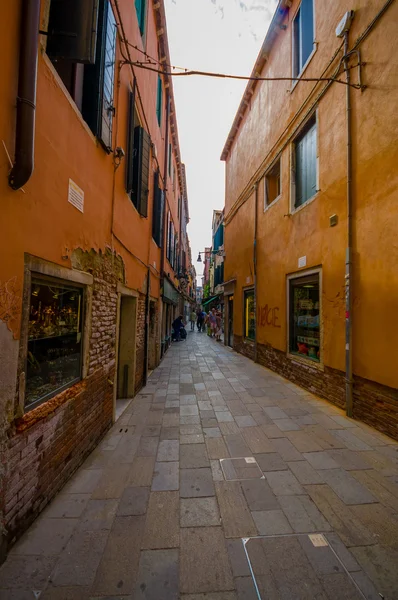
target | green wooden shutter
[
  {"x": 305, "y": 154},
  {"x": 130, "y": 142},
  {"x": 159, "y": 99},
  {"x": 72, "y": 30},
  {"x": 307, "y": 30},
  {"x": 142, "y": 145},
  {"x": 140, "y": 7}
]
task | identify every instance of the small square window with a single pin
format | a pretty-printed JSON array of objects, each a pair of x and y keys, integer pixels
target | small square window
[
  {"x": 272, "y": 181},
  {"x": 304, "y": 317},
  {"x": 54, "y": 339},
  {"x": 250, "y": 315}
]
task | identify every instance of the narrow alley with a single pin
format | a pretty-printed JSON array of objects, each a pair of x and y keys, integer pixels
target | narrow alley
[{"x": 214, "y": 472}]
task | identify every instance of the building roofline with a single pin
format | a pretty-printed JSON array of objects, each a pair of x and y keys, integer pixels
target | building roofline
[{"x": 262, "y": 57}]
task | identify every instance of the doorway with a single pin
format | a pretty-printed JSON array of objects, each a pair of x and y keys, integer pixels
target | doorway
[
  {"x": 127, "y": 351},
  {"x": 231, "y": 321}
]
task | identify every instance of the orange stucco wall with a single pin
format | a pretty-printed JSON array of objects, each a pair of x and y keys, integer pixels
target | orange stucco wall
[
  {"x": 284, "y": 236},
  {"x": 41, "y": 221}
]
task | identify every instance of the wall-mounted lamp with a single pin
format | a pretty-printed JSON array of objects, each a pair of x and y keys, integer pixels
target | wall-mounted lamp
[
  {"x": 199, "y": 259},
  {"x": 118, "y": 154}
]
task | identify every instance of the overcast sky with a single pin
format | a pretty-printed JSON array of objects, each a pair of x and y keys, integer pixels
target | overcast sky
[{"x": 210, "y": 35}]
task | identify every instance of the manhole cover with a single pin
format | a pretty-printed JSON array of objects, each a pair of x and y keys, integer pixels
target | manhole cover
[
  {"x": 241, "y": 468},
  {"x": 302, "y": 567}
]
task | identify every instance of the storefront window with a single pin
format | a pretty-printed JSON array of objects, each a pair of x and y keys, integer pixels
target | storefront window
[
  {"x": 54, "y": 339},
  {"x": 250, "y": 315},
  {"x": 304, "y": 317}
]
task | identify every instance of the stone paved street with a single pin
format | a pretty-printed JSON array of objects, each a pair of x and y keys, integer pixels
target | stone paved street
[{"x": 220, "y": 481}]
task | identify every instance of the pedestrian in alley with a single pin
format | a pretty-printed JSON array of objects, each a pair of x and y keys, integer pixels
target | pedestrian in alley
[
  {"x": 218, "y": 326},
  {"x": 177, "y": 325},
  {"x": 193, "y": 319},
  {"x": 200, "y": 319}
]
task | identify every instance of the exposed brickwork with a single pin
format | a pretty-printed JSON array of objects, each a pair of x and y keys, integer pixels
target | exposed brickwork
[
  {"x": 140, "y": 344},
  {"x": 154, "y": 342},
  {"x": 49, "y": 443},
  {"x": 374, "y": 404}
]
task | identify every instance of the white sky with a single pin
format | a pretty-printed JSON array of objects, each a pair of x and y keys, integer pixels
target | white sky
[{"x": 224, "y": 36}]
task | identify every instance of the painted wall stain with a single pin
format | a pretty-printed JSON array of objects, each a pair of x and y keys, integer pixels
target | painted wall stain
[
  {"x": 10, "y": 303},
  {"x": 268, "y": 315}
]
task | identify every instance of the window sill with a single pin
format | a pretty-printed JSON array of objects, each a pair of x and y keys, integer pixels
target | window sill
[
  {"x": 268, "y": 206},
  {"x": 294, "y": 210},
  {"x": 306, "y": 361},
  {"x": 294, "y": 83}
]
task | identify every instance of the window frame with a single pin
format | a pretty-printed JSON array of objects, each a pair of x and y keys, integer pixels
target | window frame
[
  {"x": 298, "y": 357},
  {"x": 36, "y": 267},
  {"x": 159, "y": 101},
  {"x": 293, "y": 170},
  {"x": 246, "y": 292},
  {"x": 272, "y": 166},
  {"x": 293, "y": 45}
]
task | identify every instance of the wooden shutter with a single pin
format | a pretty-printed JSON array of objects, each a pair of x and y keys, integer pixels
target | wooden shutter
[
  {"x": 305, "y": 155},
  {"x": 142, "y": 145},
  {"x": 307, "y": 30},
  {"x": 159, "y": 101},
  {"x": 157, "y": 217},
  {"x": 140, "y": 7},
  {"x": 130, "y": 142},
  {"x": 97, "y": 107},
  {"x": 107, "y": 77},
  {"x": 72, "y": 30}
]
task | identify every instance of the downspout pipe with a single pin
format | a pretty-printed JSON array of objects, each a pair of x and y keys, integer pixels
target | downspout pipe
[
  {"x": 26, "y": 99},
  {"x": 348, "y": 257},
  {"x": 255, "y": 269}
]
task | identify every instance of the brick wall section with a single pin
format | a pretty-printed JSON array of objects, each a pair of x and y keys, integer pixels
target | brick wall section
[
  {"x": 50, "y": 442},
  {"x": 140, "y": 344},
  {"x": 374, "y": 404}
]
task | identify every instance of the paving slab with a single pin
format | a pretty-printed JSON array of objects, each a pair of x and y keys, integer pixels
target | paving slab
[
  {"x": 141, "y": 471},
  {"x": 133, "y": 502},
  {"x": 118, "y": 568},
  {"x": 305, "y": 473},
  {"x": 347, "y": 487},
  {"x": 46, "y": 537},
  {"x": 303, "y": 515},
  {"x": 199, "y": 512},
  {"x": 237, "y": 558},
  {"x": 259, "y": 495},
  {"x": 162, "y": 521},
  {"x": 216, "y": 448},
  {"x": 168, "y": 451},
  {"x": 158, "y": 576},
  {"x": 165, "y": 477},
  {"x": 235, "y": 514},
  {"x": 204, "y": 561},
  {"x": 196, "y": 483},
  {"x": 271, "y": 522},
  {"x": 193, "y": 456},
  {"x": 285, "y": 448},
  {"x": 284, "y": 483},
  {"x": 256, "y": 439}
]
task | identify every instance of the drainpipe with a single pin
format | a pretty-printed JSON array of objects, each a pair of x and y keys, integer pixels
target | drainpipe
[
  {"x": 146, "y": 339},
  {"x": 26, "y": 99},
  {"x": 255, "y": 269},
  {"x": 348, "y": 258}
]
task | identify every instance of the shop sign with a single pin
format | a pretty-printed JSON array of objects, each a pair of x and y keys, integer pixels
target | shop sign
[
  {"x": 76, "y": 196},
  {"x": 169, "y": 292}
]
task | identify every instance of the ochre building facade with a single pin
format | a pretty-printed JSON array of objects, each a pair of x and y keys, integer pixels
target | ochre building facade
[
  {"x": 312, "y": 285},
  {"x": 94, "y": 203}
]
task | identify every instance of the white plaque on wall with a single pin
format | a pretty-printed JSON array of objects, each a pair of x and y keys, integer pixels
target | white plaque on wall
[
  {"x": 302, "y": 261},
  {"x": 76, "y": 196}
]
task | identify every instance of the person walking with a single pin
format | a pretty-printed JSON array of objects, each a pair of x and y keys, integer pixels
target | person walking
[
  {"x": 218, "y": 326},
  {"x": 193, "y": 319},
  {"x": 200, "y": 319}
]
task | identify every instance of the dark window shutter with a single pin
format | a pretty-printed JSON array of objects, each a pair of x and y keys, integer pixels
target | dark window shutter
[
  {"x": 98, "y": 82},
  {"x": 157, "y": 224},
  {"x": 159, "y": 101},
  {"x": 72, "y": 30},
  {"x": 142, "y": 145},
  {"x": 307, "y": 30},
  {"x": 107, "y": 78},
  {"x": 130, "y": 142},
  {"x": 140, "y": 7}
]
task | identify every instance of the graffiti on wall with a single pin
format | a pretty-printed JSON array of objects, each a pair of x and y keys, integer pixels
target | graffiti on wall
[
  {"x": 10, "y": 301},
  {"x": 268, "y": 316}
]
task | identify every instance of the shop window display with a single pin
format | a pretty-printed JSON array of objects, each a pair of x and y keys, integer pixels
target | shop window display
[
  {"x": 54, "y": 339},
  {"x": 250, "y": 315},
  {"x": 304, "y": 317}
]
